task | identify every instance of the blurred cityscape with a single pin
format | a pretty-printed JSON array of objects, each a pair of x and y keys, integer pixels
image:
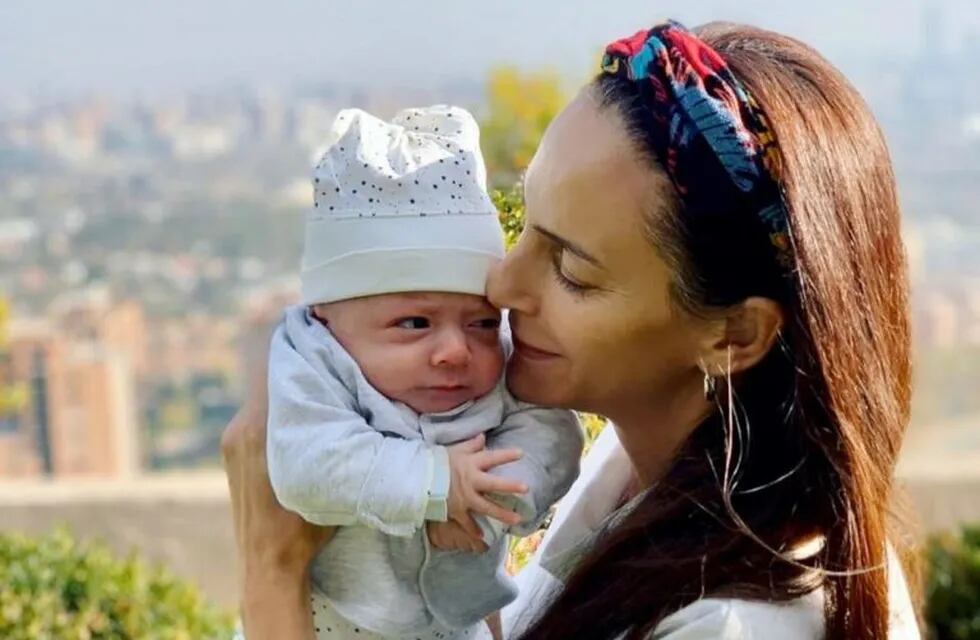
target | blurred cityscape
[
  {"x": 147, "y": 246},
  {"x": 145, "y": 250}
]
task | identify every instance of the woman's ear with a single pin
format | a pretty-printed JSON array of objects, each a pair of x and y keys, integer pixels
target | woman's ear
[{"x": 743, "y": 336}]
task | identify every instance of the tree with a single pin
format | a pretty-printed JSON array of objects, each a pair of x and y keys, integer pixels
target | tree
[
  {"x": 953, "y": 585},
  {"x": 510, "y": 207},
  {"x": 12, "y": 396},
  {"x": 56, "y": 587},
  {"x": 520, "y": 106}
]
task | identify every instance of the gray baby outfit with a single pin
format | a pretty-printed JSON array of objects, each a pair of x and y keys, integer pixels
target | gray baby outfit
[{"x": 340, "y": 453}]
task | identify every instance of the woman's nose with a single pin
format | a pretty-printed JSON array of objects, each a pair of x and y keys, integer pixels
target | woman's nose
[
  {"x": 507, "y": 284},
  {"x": 452, "y": 349}
]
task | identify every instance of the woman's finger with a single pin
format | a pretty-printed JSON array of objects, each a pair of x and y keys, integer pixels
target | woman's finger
[
  {"x": 462, "y": 541},
  {"x": 436, "y": 540},
  {"x": 477, "y": 546},
  {"x": 469, "y": 525},
  {"x": 496, "y": 457}
]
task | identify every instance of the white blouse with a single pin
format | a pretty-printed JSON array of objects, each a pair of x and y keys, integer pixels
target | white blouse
[{"x": 597, "y": 493}]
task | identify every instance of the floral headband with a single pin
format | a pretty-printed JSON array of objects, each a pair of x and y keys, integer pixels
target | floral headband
[{"x": 708, "y": 132}]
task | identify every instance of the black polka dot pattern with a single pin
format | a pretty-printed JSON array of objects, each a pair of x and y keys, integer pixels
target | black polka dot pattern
[
  {"x": 381, "y": 169},
  {"x": 330, "y": 624}
]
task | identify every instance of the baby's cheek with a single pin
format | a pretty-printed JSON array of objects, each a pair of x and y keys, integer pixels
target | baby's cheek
[
  {"x": 491, "y": 366},
  {"x": 390, "y": 369}
]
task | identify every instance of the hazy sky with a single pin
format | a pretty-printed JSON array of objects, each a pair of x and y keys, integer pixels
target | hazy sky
[{"x": 138, "y": 45}]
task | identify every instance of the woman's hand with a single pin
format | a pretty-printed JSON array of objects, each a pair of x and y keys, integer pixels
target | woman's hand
[
  {"x": 449, "y": 536},
  {"x": 275, "y": 546}
]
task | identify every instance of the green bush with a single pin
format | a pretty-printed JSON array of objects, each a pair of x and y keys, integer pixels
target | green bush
[
  {"x": 953, "y": 585},
  {"x": 55, "y": 588},
  {"x": 510, "y": 205},
  {"x": 520, "y": 105}
]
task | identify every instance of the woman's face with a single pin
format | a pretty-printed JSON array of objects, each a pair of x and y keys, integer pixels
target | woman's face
[{"x": 594, "y": 328}]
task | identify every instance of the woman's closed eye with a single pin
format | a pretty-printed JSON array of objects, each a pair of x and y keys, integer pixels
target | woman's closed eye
[
  {"x": 565, "y": 280},
  {"x": 413, "y": 322}
]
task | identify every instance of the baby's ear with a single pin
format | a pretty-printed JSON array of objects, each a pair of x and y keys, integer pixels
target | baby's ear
[{"x": 319, "y": 312}]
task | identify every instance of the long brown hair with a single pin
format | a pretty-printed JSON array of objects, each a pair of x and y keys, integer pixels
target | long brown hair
[{"x": 816, "y": 426}]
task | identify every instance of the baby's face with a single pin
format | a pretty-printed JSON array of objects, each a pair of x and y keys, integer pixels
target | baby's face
[{"x": 432, "y": 351}]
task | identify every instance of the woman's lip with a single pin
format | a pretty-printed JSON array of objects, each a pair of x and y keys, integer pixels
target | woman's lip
[{"x": 532, "y": 353}]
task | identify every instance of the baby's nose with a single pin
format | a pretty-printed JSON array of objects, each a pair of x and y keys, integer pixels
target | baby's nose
[{"x": 452, "y": 349}]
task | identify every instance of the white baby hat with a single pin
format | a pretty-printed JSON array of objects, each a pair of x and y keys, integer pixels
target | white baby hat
[{"x": 400, "y": 206}]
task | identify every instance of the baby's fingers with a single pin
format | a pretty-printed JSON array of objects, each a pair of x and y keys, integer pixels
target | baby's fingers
[
  {"x": 486, "y": 483},
  {"x": 480, "y": 504},
  {"x": 490, "y": 458},
  {"x": 474, "y": 444}
]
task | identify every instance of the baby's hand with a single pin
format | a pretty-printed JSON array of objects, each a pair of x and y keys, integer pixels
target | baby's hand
[
  {"x": 449, "y": 536},
  {"x": 469, "y": 481}
]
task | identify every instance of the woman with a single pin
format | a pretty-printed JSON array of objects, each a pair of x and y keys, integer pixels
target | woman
[{"x": 712, "y": 260}]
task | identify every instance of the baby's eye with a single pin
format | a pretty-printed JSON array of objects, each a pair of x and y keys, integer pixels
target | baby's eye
[
  {"x": 487, "y": 323},
  {"x": 415, "y": 322}
]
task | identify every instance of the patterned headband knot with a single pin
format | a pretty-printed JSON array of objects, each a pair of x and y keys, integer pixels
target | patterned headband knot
[{"x": 709, "y": 133}]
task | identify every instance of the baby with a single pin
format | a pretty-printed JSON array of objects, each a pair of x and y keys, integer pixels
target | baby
[{"x": 385, "y": 385}]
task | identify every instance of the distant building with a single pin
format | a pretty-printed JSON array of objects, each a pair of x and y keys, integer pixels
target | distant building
[
  {"x": 937, "y": 320},
  {"x": 80, "y": 368},
  {"x": 14, "y": 234},
  {"x": 178, "y": 348},
  {"x": 19, "y": 454},
  {"x": 25, "y": 448},
  {"x": 195, "y": 142},
  {"x": 93, "y": 402},
  {"x": 93, "y": 314},
  {"x": 971, "y": 320},
  {"x": 262, "y": 309}
]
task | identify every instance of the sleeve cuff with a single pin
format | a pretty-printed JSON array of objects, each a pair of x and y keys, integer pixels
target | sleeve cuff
[{"x": 436, "y": 507}]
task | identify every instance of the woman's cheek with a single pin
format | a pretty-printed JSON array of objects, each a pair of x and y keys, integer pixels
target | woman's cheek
[{"x": 572, "y": 316}]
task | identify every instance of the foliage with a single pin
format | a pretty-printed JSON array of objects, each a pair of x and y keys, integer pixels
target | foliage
[
  {"x": 4, "y": 316},
  {"x": 593, "y": 426},
  {"x": 520, "y": 106},
  {"x": 510, "y": 204},
  {"x": 953, "y": 585},
  {"x": 521, "y": 550},
  {"x": 12, "y": 396},
  {"x": 54, "y": 587},
  {"x": 178, "y": 412}
]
